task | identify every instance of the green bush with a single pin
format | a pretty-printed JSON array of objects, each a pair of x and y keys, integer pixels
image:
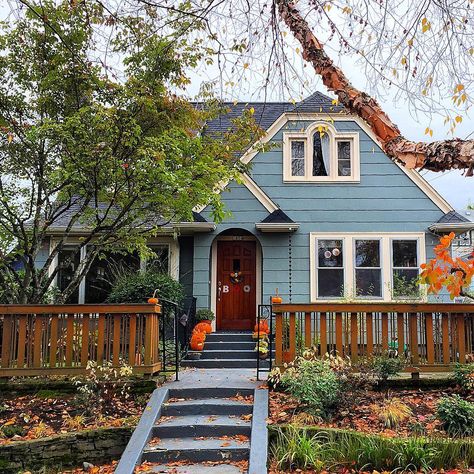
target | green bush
[
  {"x": 382, "y": 367},
  {"x": 464, "y": 376},
  {"x": 138, "y": 287},
  {"x": 315, "y": 384},
  {"x": 456, "y": 416},
  {"x": 13, "y": 430},
  {"x": 204, "y": 315}
]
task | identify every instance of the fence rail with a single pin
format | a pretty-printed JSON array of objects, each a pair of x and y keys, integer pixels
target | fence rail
[
  {"x": 432, "y": 336},
  {"x": 62, "y": 339}
]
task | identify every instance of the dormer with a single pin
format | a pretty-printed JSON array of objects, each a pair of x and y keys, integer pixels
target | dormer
[{"x": 321, "y": 154}]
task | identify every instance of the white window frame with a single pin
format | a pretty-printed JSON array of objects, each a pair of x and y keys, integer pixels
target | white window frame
[
  {"x": 348, "y": 246},
  {"x": 334, "y": 137},
  {"x": 343, "y": 268},
  {"x": 392, "y": 267},
  {"x": 381, "y": 267}
]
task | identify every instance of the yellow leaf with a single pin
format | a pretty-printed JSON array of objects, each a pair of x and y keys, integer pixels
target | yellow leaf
[
  {"x": 459, "y": 88},
  {"x": 427, "y": 130},
  {"x": 347, "y": 10},
  {"x": 246, "y": 65},
  {"x": 335, "y": 101},
  {"x": 252, "y": 110},
  {"x": 404, "y": 60},
  {"x": 471, "y": 51},
  {"x": 410, "y": 42},
  {"x": 458, "y": 119},
  {"x": 463, "y": 98},
  {"x": 424, "y": 21},
  {"x": 426, "y": 27},
  {"x": 235, "y": 102},
  {"x": 10, "y": 138},
  {"x": 297, "y": 50}
]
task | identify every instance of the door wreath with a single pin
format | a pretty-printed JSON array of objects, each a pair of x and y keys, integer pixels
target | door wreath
[{"x": 236, "y": 277}]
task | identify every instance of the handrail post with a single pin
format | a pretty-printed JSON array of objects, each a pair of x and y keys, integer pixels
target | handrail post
[{"x": 278, "y": 339}]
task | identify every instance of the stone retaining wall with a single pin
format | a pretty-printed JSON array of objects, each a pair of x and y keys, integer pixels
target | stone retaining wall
[{"x": 71, "y": 449}]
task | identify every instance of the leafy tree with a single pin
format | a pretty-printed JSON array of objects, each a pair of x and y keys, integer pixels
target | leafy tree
[
  {"x": 454, "y": 273},
  {"x": 83, "y": 147}
]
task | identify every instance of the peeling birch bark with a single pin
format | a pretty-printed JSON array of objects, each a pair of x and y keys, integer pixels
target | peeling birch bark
[{"x": 434, "y": 156}]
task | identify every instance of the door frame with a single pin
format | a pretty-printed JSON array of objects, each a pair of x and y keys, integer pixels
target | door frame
[{"x": 258, "y": 271}]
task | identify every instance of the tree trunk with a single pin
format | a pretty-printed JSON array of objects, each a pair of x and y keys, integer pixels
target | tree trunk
[{"x": 435, "y": 156}]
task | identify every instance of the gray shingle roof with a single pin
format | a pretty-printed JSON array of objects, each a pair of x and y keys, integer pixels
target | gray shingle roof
[
  {"x": 265, "y": 113},
  {"x": 452, "y": 217},
  {"x": 277, "y": 217}
]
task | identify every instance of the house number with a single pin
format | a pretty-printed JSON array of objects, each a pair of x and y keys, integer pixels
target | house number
[
  {"x": 225, "y": 289},
  {"x": 247, "y": 288}
]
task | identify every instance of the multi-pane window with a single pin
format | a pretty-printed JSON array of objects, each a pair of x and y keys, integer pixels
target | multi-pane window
[
  {"x": 368, "y": 269},
  {"x": 159, "y": 261},
  {"x": 68, "y": 261},
  {"x": 330, "y": 262},
  {"x": 297, "y": 158},
  {"x": 320, "y": 153},
  {"x": 405, "y": 268},
  {"x": 366, "y": 265},
  {"x": 343, "y": 157}
]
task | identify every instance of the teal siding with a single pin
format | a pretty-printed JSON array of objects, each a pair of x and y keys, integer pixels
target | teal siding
[{"x": 385, "y": 200}]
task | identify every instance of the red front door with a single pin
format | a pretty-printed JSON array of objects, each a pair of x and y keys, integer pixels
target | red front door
[{"x": 236, "y": 279}]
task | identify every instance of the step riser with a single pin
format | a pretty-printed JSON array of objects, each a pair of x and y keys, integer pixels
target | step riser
[
  {"x": 207, "y": 409},
  {"x": 193, "y": 431},
  {"x": 228, "y": 355},
  {"x": 199, "y": 455},
  {"x": 223, "y": 364},
  {"x": 202, "y": 392},
  {"x": 217, "y": 337},
  {"x": 237, "y": 346}
]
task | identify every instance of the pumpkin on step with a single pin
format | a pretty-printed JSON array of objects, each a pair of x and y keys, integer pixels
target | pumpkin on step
[
  {"x": 204, "y": 327},
  {"x": 262, "y": 327},
  {"x": 197, "y": 343},
  {"x": 199, "y": 335}
]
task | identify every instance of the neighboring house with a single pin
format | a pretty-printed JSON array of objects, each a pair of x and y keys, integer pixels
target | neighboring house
[{"x": 323, "y": 215}]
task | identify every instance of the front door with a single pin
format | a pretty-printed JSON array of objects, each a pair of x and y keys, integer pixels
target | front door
[{"x": 236, "y": 278}]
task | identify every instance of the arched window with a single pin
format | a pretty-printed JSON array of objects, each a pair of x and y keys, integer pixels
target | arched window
[{"x": 321, "y": 154}]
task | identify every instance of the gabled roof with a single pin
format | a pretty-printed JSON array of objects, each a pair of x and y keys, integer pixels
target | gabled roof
[
  {"x": 453, "y": 221},
  {"x": 452, "y": 217},
  {"x": 265, "y": 113},
  {"x": 277, "y": 217}
]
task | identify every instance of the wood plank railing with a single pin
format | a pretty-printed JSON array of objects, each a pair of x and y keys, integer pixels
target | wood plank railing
[
  {"x": 62, "y": 339},
  {"x": 432, "y": 336}
]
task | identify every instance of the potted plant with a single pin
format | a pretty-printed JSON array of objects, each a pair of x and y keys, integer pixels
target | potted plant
[
  {"x": 204, "y": 316},
  {"x": 262, "y": 348}
]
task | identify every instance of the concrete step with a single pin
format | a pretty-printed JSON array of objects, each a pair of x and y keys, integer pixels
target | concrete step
[
  {"x": 203, "y": 393},
  {"x": 196, "y": 450},
  {"x": 201, "y": 425},
  {"x": 227, "y": 354},
  {"x": 229, "y": 336},
  {"x": 212, "y": 406},
  {"x": 197, "y": 468},
  {"x": 224, "y": 363},
  {"x": 230, "y": 345}
]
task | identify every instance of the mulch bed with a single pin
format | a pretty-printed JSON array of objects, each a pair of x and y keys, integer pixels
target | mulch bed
[
  {"x": 358, "y": 414},
  {"x": 40, "y": 416}
]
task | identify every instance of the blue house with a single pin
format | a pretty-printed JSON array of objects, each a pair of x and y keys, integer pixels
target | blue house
[{"x": 323, "y": 215}]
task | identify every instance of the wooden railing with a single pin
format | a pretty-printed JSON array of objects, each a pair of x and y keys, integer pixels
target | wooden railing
[
  {"x": 62, "y": 339},
  {"x": 431, "y": 336}
]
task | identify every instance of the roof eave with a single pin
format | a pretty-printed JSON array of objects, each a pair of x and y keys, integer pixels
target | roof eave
[
  {"x": 454, "y": 226},
  {"x": 277, "y": 227}
]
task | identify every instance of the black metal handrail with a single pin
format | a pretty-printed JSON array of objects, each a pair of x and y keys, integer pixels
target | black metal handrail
[{"x": 265, "y": 313}]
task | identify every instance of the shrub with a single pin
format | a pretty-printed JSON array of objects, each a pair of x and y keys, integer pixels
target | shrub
[
  {"x": 392, "y": 412},
  {"x": 138, "y": 287},
  {"x": 204, "y": 315},
  {"x": 315, "y": 384},
  {"x": 10, "y": 431},
  {"x": 456, "y": 416},
  {"x": 382, "y": 367},
  {"x": 464, "y": 376}
]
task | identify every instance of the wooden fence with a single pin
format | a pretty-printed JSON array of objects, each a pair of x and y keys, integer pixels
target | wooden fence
[
  {"x": 431, "y": 336},
  {"x": 62, "y": 339}
]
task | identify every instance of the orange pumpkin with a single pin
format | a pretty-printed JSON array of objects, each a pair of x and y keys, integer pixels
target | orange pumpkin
[
  {"x": 153, "y": 300},
  {"x": 199, "y": 336},
  {"x": 277, "y": 300},
  {"x": 262, "y": 327},
  {"x": 196, "y": 343},
  {"x": 204, "y": 327}
]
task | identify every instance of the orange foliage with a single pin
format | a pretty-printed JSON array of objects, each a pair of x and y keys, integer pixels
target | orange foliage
[{"x": 454, "y": 273}]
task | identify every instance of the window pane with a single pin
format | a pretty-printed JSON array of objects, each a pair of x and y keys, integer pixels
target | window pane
[
  {"x": 320, "y": 154},
  {"x": 159, "y": 261},
  {"x": 297, "y": 158},
  {"x": 343, "y": 158},
  {"x": 368, "y": 282},
  {"x": 367, "y": 253},
  {"x": 330, "y": 282},
  {"x": 405, "y": 283},
  {"x": 405, "y": 253},
  {"x": 68, "y": 261},
  {"x": 330, "y": 253}
]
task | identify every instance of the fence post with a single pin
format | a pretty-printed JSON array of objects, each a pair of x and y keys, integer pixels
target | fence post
[{"x": 278, "y": 339}]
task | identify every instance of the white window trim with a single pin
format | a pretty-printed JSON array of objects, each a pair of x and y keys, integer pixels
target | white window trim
[
  {"x": 348, "y": 247},
  {"x": 380, "y": 267},
  {"x": 307, "y": 137}
]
